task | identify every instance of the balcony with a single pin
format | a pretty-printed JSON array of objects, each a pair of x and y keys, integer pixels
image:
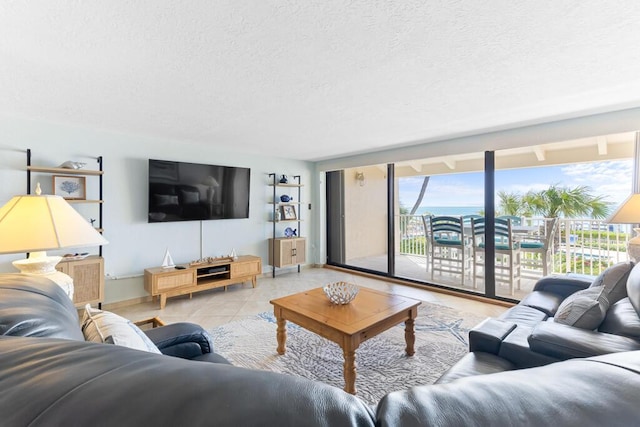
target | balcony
[{"x": 582, "y": 246}]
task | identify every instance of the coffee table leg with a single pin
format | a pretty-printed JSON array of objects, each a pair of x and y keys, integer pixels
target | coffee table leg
[
  {"x": 281, "y": 334},
  {"x": 409, "y": 336},
  {"x": 349, "y": 371}
]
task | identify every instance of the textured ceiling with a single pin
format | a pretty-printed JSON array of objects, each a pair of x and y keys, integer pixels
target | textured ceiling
[{"x": 316, "y": 79}]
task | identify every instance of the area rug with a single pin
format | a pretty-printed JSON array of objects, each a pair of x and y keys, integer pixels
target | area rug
[{"x": 381, "y": 363}]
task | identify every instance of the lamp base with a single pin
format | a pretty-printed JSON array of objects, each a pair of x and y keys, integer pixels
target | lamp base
[
  {"x": 633, "y": 246},
  {"x": 39, "y": 264}
]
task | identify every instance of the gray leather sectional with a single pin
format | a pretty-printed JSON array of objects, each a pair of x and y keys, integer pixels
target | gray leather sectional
[{"x": 50, "y": 376}]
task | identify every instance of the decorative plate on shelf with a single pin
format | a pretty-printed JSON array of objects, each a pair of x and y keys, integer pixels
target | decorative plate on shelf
[{"x": 289, "y": 232}]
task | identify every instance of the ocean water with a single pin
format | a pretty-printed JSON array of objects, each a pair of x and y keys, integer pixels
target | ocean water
[{"x": 449, "y": 210}]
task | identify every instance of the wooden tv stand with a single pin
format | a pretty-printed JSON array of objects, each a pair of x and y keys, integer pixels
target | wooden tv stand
[{"x": 171, "y": 282}]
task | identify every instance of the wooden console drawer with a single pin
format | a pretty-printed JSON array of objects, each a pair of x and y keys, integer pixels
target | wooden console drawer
[
  {"x": 250, "y": 268},
  {"x": 184, "y": 278},
  {"x": 168, "y": 280}
]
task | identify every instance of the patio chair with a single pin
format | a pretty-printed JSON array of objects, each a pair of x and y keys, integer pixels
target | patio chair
[
  {"x": 449, "y": 248},
  {"x": 515, "y": 220},
  {"x": 507, "y": 252},
  {"x": 468, "y": 218},
  {"x": 536, "y": 250}
]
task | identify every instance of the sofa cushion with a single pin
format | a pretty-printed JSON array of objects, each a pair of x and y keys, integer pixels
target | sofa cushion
[
  {"x": 106, "y": 327},
  {"x": 621, "y": 319},
  {"x": 523, "y": 315},
  {"x": 515, "y": 348},
  {"x": 584, "y": 309},
  {"x": 475, "y": 363},
  {"x": 547, "y": 302},
  {"x": 614, "y": 280},
  {"x": 566, "y": 342}
]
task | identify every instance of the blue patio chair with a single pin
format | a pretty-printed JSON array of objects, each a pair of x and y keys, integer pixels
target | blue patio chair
[
  {"x": 515, "y": 220},
  {"x": 468, "y": 218},
  {"x": 507, "y": 251},
  {"x": 449, "y": 248}
]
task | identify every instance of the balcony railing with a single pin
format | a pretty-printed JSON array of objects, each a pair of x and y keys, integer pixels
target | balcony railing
[{"x": 583, "y": 245}]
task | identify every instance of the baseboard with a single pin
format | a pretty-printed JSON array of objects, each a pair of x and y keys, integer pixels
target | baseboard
[
  {"x": 126, "y": 303},
  {"x": 139, "y": 300},
  {"x": 267, "y": 274}
]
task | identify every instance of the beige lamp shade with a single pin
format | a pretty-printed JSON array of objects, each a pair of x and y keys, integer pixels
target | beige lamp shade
[
  {"x": 40, "y": 223},
  {"x": 628, "y": 212}
]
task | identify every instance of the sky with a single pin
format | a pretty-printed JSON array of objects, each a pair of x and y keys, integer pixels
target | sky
[{"x": 612, "y": 179}]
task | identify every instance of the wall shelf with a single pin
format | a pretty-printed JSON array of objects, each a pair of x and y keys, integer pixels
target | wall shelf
[
  {"x": 285, "y": 251},
  {"x": 88, "y": 273},
  {"x": 65, "y": 171}
]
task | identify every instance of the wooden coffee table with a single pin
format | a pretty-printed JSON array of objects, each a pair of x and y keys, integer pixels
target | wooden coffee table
[{"x": 370, "y": 313}]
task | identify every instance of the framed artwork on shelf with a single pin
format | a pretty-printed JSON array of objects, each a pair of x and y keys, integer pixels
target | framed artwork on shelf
[
  {"x": 288, "y": 212},
  {"x": 70, "y": 187}
]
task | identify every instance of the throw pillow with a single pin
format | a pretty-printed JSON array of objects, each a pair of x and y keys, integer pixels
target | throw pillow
[
  {"x": 584, "y": 309},
  {"x": 614, "y": 280},
  {"x": 106, "y": 327}
]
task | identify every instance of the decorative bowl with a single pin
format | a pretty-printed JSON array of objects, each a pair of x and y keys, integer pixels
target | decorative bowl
[{"x": 341, "y": 292}]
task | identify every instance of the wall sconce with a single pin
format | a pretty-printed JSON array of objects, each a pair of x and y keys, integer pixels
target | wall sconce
[{"x": 360, "y": 178}]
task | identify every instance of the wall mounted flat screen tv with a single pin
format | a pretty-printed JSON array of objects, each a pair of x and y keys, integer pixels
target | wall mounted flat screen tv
[{"x": 181, "y": 191}]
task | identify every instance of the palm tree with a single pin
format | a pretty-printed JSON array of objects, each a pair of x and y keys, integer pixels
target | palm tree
[
  {"x": 416, "y": 205},
  {"x": 558, "y": 201},
  {"x": 510, "y": 203}
]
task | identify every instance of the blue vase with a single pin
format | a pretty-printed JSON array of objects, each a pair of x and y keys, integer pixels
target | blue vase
[{"x": 285, "y": 198}]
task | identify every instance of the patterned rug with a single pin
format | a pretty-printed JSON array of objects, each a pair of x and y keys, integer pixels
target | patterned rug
[{"x": 381, "y": 363}]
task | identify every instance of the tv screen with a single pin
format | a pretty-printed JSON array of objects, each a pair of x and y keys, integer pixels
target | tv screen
[{"x": 181, "y": 191}]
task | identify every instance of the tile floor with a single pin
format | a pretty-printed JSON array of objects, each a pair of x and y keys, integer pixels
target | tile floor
[{"x": 215, "y": 307}]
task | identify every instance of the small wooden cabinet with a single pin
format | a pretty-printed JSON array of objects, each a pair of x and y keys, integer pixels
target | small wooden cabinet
[
  {"x": 170, "y": 282},
  {"x": 285, "y": 251},
  {"x": 88, "y": 279}
]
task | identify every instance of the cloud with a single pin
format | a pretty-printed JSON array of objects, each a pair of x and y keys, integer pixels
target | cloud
[
  {"x": 611, "y": 179},
  {"x": 618, "y": 170}
]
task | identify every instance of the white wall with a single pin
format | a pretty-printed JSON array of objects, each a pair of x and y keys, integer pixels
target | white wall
[
  {"x": 365, "y": 213},
  {"x": 135, "y": 244}
]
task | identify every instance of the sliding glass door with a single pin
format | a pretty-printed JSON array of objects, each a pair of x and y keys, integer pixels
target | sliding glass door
[
  {"x": 558, "y": 197},
  {"x": 491, "y": 223},
  {"x": 357, "y": 218},
  {"x": 437, "y": 199}
]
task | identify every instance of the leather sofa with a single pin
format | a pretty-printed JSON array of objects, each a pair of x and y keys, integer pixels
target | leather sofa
[
  {"x": 531, "y": 333},
  {"x": 50, "y": 376}
]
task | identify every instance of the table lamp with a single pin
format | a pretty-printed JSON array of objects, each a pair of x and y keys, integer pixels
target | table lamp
[
  {"x": 37, "y": 223},
  {"x": 629, "y": 213}
]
